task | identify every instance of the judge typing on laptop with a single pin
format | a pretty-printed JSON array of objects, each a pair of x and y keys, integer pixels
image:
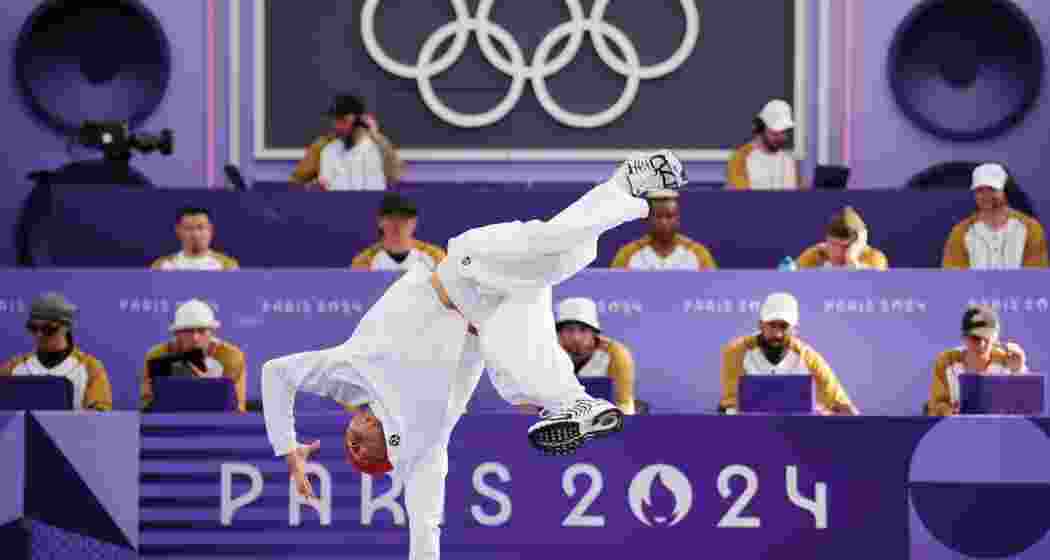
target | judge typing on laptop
[
  {"x": 982, "y": 354},
  {"x": 775, "y": 351}
]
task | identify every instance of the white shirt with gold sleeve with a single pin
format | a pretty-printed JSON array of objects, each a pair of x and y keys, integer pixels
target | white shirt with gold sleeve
[{"x": 213, "y": 260}]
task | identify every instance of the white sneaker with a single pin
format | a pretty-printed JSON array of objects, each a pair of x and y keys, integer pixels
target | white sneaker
[
  {"x": 562, "y": 432},
  {"x": 653, "y": 175}
]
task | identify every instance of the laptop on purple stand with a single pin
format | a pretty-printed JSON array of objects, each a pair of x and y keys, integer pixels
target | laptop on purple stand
[
  {"x": 1023, "y": 395},
  {"x": 776, "y": 394}
]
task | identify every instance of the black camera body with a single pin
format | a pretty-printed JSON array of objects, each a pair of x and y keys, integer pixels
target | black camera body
[
  {"x": 117, "y": 142},
  {"x": 167, "y": 365}
]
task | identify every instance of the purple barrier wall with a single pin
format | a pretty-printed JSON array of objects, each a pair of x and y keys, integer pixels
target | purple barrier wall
[
  {"x": 746, "y": 487},
  {"x": 791, "y": 487},
  {"x": 879, "y": 331},
  {"x": 91, "y": 227},
  {"x": 70, "y": 486}
]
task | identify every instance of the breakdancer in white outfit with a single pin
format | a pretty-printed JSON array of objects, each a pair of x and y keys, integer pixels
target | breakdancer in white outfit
[{"x": 418, "y": 353}]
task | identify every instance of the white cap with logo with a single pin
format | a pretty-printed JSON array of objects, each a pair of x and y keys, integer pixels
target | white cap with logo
[
  {"x": 194, "y": 314},
  {"x": 990, "y": 175},
  {"x": 579, "y": 310},
  {"x": 780, "y": 306},
  {"x": 777, "y": 115}
]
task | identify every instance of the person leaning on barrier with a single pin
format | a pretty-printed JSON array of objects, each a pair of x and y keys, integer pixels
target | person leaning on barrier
[
  {"x": 776, "y": 349},
  {"x": 51, "y": 322},
  {"x": 845, "y": 246},
  {"x": 981, "y": 353}
]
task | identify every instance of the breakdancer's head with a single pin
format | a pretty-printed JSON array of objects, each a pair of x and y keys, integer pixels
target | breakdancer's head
[{"x": 366, "y": 444}]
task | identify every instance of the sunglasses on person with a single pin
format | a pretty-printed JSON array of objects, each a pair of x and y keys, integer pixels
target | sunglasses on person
[{"x": 46, "y": 329}]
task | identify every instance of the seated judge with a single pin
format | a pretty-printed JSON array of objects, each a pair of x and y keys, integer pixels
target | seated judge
[
  {"x": 593, "y": 353},
  {"x": 981, "y": 353},
  {"x": 51, "y": 322},
  {"x": 398, "y": 248},
  {"x": 764, "y": 163},
  {"x": 195, "y": 230},
  {"x": 194, "y": 328},
  {"x": 776, "y": 349},
  {"x": 354, "y": 155},
  {"x": 996, "y": 236},
  {"x": 845, "y": 246},
  {"x": 664, "y": 247}
]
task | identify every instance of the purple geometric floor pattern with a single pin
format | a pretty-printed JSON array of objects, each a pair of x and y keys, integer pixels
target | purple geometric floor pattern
[
  {"x": 105, "y": 455},
  {"x": 51, "y": 543}
]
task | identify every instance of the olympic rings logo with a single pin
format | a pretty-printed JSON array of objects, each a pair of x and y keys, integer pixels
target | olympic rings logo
[{"x": 541, "y": 67}]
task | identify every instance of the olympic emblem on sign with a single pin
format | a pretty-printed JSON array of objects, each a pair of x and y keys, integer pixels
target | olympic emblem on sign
[{"x": 630, "y": 67}]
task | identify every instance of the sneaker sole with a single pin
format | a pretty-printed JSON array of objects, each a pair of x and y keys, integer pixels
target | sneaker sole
[{"x": 564, "y": 438}]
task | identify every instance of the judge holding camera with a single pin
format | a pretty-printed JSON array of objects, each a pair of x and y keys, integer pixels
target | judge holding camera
[{"x": 195, "y": 351}]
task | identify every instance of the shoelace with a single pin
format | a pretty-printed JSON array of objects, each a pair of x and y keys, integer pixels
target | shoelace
[{"x": 580, "y": 408}]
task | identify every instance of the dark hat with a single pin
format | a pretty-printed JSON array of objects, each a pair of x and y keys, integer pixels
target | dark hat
[
  {"x": 980, "y": 320},
  {"x": 53, "y": 307},
  {"x": 394, "y": 204},
  {"x": 346, "y": 104}
]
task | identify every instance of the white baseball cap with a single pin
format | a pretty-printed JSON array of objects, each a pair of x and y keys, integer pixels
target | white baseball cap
[
  {"x": 780, "y": 306},
  {"x": 194, "y": 314},
  {"x": 579, "y": 310},
  {"x": 989, "y": 175},
  {"x": 777, "y": 115}
]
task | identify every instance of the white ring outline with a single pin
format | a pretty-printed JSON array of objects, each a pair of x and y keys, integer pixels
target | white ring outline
[{"x": 460, "y": 29}]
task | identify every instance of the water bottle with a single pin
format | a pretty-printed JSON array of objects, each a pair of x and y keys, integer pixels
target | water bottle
[{"x": 788, "y": 264}]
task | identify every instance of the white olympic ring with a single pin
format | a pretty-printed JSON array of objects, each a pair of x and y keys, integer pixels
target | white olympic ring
[{"x": 539, "y": 70}]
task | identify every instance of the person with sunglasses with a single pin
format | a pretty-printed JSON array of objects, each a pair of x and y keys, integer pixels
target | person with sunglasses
[
  {"x": 51, "y": 321},
  {"x": 980, "y": 353}
]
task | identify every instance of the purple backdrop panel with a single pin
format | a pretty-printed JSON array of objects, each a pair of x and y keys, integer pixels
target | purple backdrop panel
[
  {"x": 787, "y": 487},
  {"x": 879, "y": 331},
  {"x": 328, "y": 229},
  {"x": 12, "y": 449}
]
